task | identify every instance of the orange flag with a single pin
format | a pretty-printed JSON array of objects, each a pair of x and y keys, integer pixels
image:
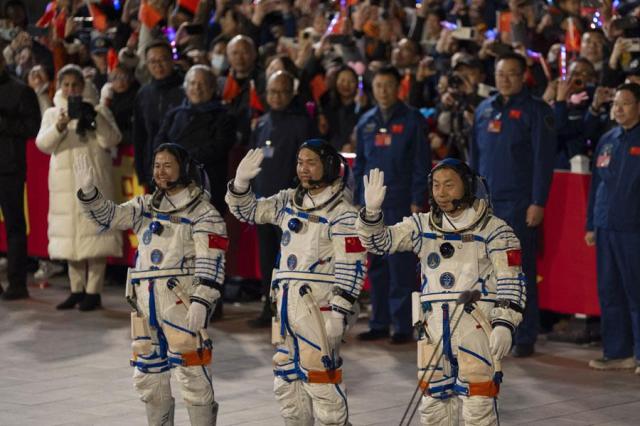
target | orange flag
[
  {"x": 572, "y": 37},
  {"x": 99, "y": 18},
  {"x": 149, "y": 15},
  {"x": 318, "y": 87},
  {"x": 112, "y": 58}
]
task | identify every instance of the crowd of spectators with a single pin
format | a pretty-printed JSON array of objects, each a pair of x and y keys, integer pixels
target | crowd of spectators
[{"x": 224, "y": 76}]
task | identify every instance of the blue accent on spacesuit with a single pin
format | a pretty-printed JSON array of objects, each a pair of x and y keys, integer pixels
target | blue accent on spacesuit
[
  {"x": 167, "y": 217},
  {"x": 305, "y": 215}
]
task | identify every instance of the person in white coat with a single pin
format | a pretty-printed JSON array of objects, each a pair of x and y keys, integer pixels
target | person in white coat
[
  {"x": 72, "y": 237},
  {"x": 317, "y": 282},
  {"x": 462, "y": 247},
  {"x": 175, "y": 283}
]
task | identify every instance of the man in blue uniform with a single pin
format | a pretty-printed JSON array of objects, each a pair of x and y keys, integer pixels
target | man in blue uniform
[
  {"x": 513, "y": 145},
  {"x": 613, "y": 225},
  {"x": 392, "y": 138}
]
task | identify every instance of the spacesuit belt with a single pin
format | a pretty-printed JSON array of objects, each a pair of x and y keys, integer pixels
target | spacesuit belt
[
  {"x": 488, "y": 388},
  {"x": 451, "y": 297},
  {"x": 310, "y": 277},
  {"x": 160, "y": 273},
  {"x": 327, "y": 376},
  {"x": 190, "y": 359}
]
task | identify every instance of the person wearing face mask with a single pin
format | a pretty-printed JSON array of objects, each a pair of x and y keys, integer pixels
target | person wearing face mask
[
  {"x": 70, "y": 127},
  {"x": 204, "y": 128},
  {"x": 316, "y": 282},
  {"x": 119, "y": 95},
  {"x": 175, "y": 283},
  {"x": 217, "y": 57},
  {"x": 462, "y": 247}
]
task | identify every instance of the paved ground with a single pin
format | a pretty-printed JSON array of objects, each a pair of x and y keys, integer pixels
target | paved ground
[{"x": 71, "y": 368}]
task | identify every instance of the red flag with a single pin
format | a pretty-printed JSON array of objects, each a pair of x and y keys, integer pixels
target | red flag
[
  {"x": 99, "y": 18},
  {"x": 405, "y": 86},
  {"x": 504, "y": 22},
  {"x": 231, "y": 89},
  {"x": 48, "y": 16},
  {"x": 189, "y": 5},
  {"x": 254, "y": 99},
  {"x": 149, "y": 15},
  {"x": 353, "y": 245},
  {"x": 218, "y": 242},
  {"x": 60, "y": 23},
  {"x": 112, "y": 59},
  {"x": 514, "y": 257},
  {"x": 318, "y": 86}
]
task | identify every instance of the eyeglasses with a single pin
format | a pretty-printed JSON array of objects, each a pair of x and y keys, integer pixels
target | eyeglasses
[
  {"x": 278, "y": 92},
  {"x": 508, "y": 75},
  {"x": 158, "y": 61}
]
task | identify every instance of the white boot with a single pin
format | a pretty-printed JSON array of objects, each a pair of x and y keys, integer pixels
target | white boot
[
  {"x": 160, "y": 413},
  {"x": 203, "y": 415}
]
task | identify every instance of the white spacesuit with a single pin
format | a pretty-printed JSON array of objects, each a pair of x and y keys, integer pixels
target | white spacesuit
[
  {"x": 315, "y": 285},
  {"x": 173, "y": 288},
  {"x": 473, "y": 251}
]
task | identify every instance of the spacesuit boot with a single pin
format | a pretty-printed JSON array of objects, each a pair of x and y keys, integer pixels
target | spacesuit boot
[
  {"x": 203, "y": 415},
  {"x": 160, "y": 413}
]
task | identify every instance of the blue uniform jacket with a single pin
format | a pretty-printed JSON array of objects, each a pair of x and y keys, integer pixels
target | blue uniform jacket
[
  {"x": 614, "y": 199},
  {"x": 514, "y": 147},
  {"x": 405, "y": 158}
]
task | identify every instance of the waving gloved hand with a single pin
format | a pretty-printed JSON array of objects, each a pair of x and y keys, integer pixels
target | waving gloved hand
[
  {"x": 500, "y": 342},
  {"x": 335, "y": 328},
  {"x": 197, "y": 316},
  {"x": 248, "y": 168},
  {"x": 374, "y": 191},
  {"x": 83, "y": 173}
]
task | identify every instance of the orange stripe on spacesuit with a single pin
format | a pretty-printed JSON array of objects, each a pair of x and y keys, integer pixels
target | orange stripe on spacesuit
[{"x": 328, "y": 376}]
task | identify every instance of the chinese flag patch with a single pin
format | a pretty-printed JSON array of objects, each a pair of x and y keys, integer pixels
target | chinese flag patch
[
  {"x": 634, "y": 150},
  {"x": 515, "y": 114},
  {"x": 218, "y": 242},
  {"x": 514, "y": 257},
  {"x": 397, "y": 128},
  {"x": 352, "y": 245}
]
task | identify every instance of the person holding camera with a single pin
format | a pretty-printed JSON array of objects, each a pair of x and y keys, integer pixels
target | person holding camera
[{"x": 73, "y": 126}]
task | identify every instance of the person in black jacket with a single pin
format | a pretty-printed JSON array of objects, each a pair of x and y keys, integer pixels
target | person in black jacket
[
  {"x": 280, "y": 132},
  {"x": 19, "y": 121},
  {"x": 120, "y": 96},
  {"x": 204, "y": 128},
  {"x": 154, "y": 99}
]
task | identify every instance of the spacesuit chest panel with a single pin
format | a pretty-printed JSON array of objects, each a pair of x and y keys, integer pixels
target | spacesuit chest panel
[
  {"x": 165, "y": 243},
  {"x": 305, "y": 244},
  {"x": 450, "y": 263}
]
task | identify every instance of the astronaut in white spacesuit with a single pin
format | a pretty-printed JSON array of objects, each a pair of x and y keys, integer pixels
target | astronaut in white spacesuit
[
  {"x": 175, "y": 283},
  {"x": 461, "y": 247},
  {"x": 316, "y": 283}
]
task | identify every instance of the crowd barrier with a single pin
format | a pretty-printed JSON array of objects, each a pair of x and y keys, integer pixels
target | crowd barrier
[{"x": 566, "y": 266}]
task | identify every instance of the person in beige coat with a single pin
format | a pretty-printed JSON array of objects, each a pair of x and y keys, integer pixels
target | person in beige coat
[{"x": 72, "y": 236}]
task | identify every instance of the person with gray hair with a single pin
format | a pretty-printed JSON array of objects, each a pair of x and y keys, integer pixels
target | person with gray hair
[
  {"x": 74, "y": 126},
  {"x": 203, "y": 127}
]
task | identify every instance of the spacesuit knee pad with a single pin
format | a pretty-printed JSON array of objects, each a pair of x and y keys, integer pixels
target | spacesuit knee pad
[
  {"x": 152, "y": 387},
  {"x": 473, "y": 368},
  {"x": 479, "y": 410},
  {"x": 181, "y": 340},
  {"x": 439, "y": 412},
  {"x": 195, "y": 385},
  {"x": 140, "y": 335},
  {"x": 295, "y": 404},
  {"x": 329, "y": 403}
]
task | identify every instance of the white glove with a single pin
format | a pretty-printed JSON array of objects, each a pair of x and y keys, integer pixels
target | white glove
[
  {"x": 374, "y": 191},
  {"x": 500, "y": 342},
  {"x": 248, "y": 168},
  {"x": 197, "y": 316},
  {"x": 83, "y": 173},
  {"x": 335, "y": 327}
]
